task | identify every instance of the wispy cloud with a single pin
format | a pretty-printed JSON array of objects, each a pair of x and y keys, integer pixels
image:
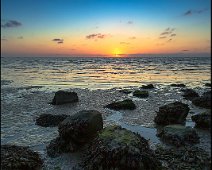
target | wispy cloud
[
  {"x": 58, "y": 40},
  {"x": 10, "y": 24},
  {"x": 168, "y": 32},
  {"x": 162, "y": 37},
  {"x": 132, "y": 38},
  {"x": 3, "y": 39},
  {"x": 169, "y": 40},
  {"x": 191, "y": 12},
  {"x": 96, "y": 36},
  {"x": 20, "y": 37},
  {"x": 124, "y": 43},
  {"x": 173, "y": 35},
  {"x": 130, "y": 22},
  {"x": 185, "y": 50}
]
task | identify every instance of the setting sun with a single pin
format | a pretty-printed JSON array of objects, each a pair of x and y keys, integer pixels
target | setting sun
[{"x": 117, "y": 52}]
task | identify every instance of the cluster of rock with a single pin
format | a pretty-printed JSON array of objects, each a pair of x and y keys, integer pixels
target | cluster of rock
[
  {"x": 118, "y": 148},
  {"x": 75, "y": 131},
  {"x": 203, "y": 101},
  {"x": 19, "y": 158},
  {"x": 188, "y": 157}
]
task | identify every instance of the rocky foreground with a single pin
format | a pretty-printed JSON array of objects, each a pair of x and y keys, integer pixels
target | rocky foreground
[{"x": 114, "y": 147}]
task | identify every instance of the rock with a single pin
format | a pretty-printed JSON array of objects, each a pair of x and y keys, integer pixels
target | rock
[
  {"x": 203, "y": 101},
  {"x": 63, "y": 97},
  {"x": 48, "y": 120},
  {"x": 178, "y": 85},
  {"x": 19, "y": 158},
  {"x": 186, "y": 157},
  {"x": 202, "y": 120},
  {"x": 208, "y": 84},
  {"x": 75, "y": 131},
  {"x": 121, "y": 149},
  {"x": 126, "y": 91},
  {"x": 59, "y": 145},
  {"x": 190, "y": 94},
  {"x": 125, "y": 104},
  {"x": 179, "y": 135},
  {"x": 173, "y": 113},
  {"x": 141, "y": 94},
  {"x": 81, "y": 126},
  {"x": 149, "y": 86}
]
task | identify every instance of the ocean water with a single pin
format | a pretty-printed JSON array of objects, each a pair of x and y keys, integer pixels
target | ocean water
[{"x": 103, "y": 73}]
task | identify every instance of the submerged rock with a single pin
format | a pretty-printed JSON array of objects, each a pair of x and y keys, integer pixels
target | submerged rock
[
  {"x": 19, "y": 158},
  {"x": 202, "y": 120},
  {"x": 203, "y": 101},
  {"x": 63, "y": 97},
  {"x": 126, "y": 91},
  {"x": 149, "y": 86},
  {"x": 190, "y": 94},
  {"x": 178, "y": 85},
  {"x": 125, "y": 104},
  {"x": 49, "y": 120},
  {"x": 179, "y": 135},
  {"x": 188, "y": 157},
  {"x": 121, "y": 149},
  {"x": 141, "y": 94},
  {"x": 173, "y": 113},
  {"x": 75, "y": 131}
]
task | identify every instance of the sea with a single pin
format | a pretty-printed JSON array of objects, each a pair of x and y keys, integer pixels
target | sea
[{"x": 102, "y": 72}]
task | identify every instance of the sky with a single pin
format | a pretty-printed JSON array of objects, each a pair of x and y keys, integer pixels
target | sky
[{"x": 104, "y": 27}]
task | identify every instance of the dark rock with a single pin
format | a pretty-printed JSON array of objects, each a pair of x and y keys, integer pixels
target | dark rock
[
  {"x": 121, "y": 149},
  {"x": 187, "y": 157},
  {"x": 59, "y": 145},
  {"x": 63, "y": 97},
  {"x": 190, "y": 94},
  {"x": 179, "y": 135},
  {"x": 173, "y": 113},
  {"x": 202, "y": 120},
  {"x": 19, "y": 158},
  {"x": 178, "y": 85},
  {"x": 208, "y": 84},
  {"x": 122, "y": 105},
  {"x": 149, "y": 86},
  {"x": 203, "y": 101},
  {"x": 48, "y": 120},
  {"x": 126, "y": 91},
  {"x": 141, "y": 94},
  {"x": 81, "y": 126}
]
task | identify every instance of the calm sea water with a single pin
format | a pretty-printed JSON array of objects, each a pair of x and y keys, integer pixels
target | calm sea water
[{"x": 104, "y": 73}]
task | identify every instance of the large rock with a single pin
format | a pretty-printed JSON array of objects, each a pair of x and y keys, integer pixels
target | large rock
[
  {"x": 19, "y": 158},
  {"x": 190, "y": 94},
  {"x": 202, "y": 120},
  {"x": 49, "y": 120},
  {"x": 63, "y": 97},
  {"x": 148, "y": 86},
  {"x": 179, "y": 135},
  {"x": 141, "y": 94},
  {"x": 122, "y": 105},
  {"x": 173, "y": 113},
  {"x": 75, "y": 131},
  {"x": 203, "y": 101},
  {"x": 121, "y": 149},
  {"x": 208, "y": 84}
]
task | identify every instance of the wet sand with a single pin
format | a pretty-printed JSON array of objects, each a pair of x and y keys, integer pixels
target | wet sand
[{"x": 21, "y": 106}]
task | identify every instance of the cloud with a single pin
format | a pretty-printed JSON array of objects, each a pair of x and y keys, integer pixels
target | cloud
[
  {"x": 58, "y": 40},
  {"x": 3, "y": 39},
  {"x": 96, "y": 36},
  {"x": 173, "y": 35},
  {"x": 11, "y": 24},
  {"x": 124, "y": 43},
  {"x": 130, "y": 22},
  {"x": 20, "y": 37},
  {"x": 191, "y": 12},
  {"x": 132, "y": 38},
  {"x": 162, "y": 37},
  {"x": 185, "y": 50},
  {"x": 169, "y": 40}
]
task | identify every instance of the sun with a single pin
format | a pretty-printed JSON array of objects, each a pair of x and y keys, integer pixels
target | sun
[{"x": 117, "y": 52}]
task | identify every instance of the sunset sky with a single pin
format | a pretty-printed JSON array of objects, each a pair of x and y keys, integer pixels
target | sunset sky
[{"x": 104, "y": 27}]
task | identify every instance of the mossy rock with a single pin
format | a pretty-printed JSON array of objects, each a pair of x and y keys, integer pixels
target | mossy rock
[
  {"x": 121, "y": 149},
  {"x": 122, "y": 105},
  {"x": 141, "y": 94}
]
